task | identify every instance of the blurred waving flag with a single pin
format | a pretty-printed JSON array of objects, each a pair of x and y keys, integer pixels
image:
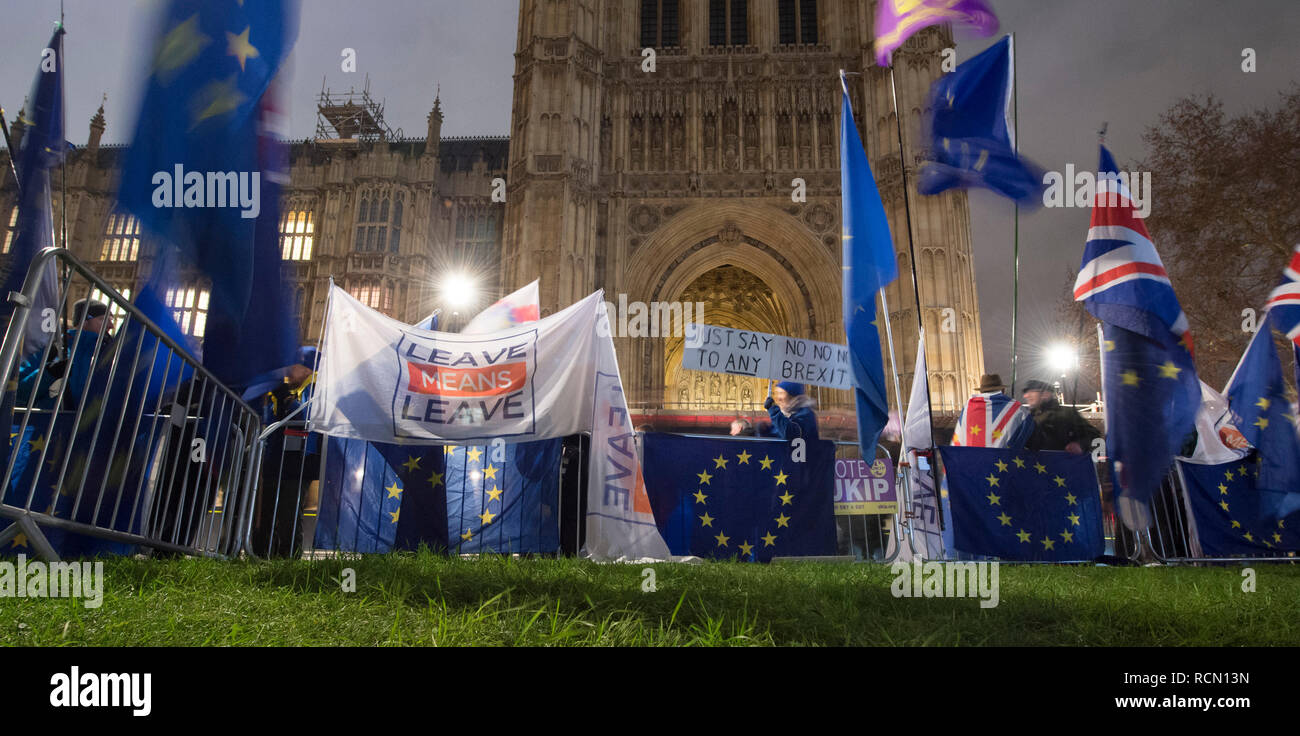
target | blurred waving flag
[
  {"x": 741, "y": 499},
  {"x": 203, "y": 169},
  {"x": 1284, "y": 303},
  {"x": 1017, "y": 505},
  {"x": 1284, "y": 306},
  {"x": 971, "y": 136},
  {"x": 897, "y": 20},
  {"x": 869, "y": 265},
  {"x": 504, "y": 499},
  {"x": 1264, "y": 416},
  {"x": 513, "y": 309},
  {"x": 1151, "y": 390},
  {"x": 1234, "y": 516},
  {"x": 378, "y": 497},
  {"x": 43, "y": 147}
]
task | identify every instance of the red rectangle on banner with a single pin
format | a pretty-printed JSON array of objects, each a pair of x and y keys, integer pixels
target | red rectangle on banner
[{"x": 484, "y": 381}]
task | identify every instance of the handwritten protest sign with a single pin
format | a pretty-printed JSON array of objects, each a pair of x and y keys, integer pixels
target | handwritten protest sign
[{"x": 760, "y": 355}]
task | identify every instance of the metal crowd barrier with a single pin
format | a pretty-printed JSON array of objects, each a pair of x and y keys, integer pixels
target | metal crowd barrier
[
  {"x": 873, "y": 537},
  {"x": 1171, "y": 538},
  {"x": 123, "y": 439},
  {"x": 286, "y": 506},
  {"x": 1115, "y": 540}
]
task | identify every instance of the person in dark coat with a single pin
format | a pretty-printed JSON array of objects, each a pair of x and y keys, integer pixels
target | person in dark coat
[
  {"x": 1056, "y": 427},
  {"x": 791, "y": 410}
]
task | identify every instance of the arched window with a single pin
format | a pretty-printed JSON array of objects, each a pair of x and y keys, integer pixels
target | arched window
[
  {"x": 11, "y": 231},
  {"x": 296, "y": 234},
  {"x": 659, "y": 23},
  {"x": 363, "y": 212},
  {"x": 121, "y": 239},
  {"x": 797, "y": 21},
  {"x": 728, "y": 22},
  {"x": 383, "y": 211}
]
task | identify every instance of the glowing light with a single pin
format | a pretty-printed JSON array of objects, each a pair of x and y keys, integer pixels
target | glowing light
[
  {"x": 459, "y": 290},
  {"x": 1062, "y": 358}
]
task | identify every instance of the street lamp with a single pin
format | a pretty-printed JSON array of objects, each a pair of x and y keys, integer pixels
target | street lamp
[
  {"x": 1063, "y": 359},
  {"x": 459, "y": 290}
]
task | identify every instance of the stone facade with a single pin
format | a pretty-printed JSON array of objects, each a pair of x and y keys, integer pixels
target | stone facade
[
  {"x": 670, "y": 185},
  {"x": 652, "y": 182}
]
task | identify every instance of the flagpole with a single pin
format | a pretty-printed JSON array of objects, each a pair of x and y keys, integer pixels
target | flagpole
[
  {"x": 893, "y": 365},
  {"x": 916, "y": 289},
  {"x": 1015, "y": 257},
  {"x": 63, "y": 159}
]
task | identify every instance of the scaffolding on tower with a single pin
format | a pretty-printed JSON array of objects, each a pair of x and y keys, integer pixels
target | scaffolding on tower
[{"x": 351, "y": 115}]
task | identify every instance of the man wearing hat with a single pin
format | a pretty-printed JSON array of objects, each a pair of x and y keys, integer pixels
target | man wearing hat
[
  {"x": 993, "y": 419},
  {"x": 791, "y": 410},
  {"x": 91, "y": 322},
  {"x": 1056, "y": 427}
]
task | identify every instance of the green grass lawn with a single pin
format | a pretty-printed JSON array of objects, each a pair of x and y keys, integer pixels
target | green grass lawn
[{"x": 431, "y": 600}]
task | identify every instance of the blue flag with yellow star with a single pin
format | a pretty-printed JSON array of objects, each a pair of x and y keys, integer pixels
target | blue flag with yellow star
[
  {"x": 202, "y": 170},
  {"x": 972, "y": 139},
  {"x": 1233, "y": 515},
  {"x": 1261, "y": 412},
  {"x": 378, "y": 497},
  {"x": 869, "y": 265},
  {"x": 1025, "y": 506},
  {"x": 1152, "y": 395},
  {"x": 741, "y": 499},
  {"x": 504, "y": 499}
]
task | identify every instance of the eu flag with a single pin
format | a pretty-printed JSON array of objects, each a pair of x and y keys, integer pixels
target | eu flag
[
  {"x": 504, "y": 499},
  {"x": 869, "y": 264},
  {"x": 198, "y": 176},
  {"x": 1261, "y": 412},
  {"x": 42, "y": 148},
  {"x": 1027, "y": 506},
  {"x": 106, "y": 454},
  {"x": 972, "y": 139},
  {"x": 741, "y": 499},
  {"x": 379, "y": 497},
  {"x": 1234, "y": 516}
]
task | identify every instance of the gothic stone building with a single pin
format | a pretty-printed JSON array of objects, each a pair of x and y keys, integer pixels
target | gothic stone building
[{"x": 665, "y": 176}]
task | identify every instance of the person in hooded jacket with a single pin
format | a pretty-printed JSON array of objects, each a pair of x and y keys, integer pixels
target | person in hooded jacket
[{"x": 791, "y": 409}]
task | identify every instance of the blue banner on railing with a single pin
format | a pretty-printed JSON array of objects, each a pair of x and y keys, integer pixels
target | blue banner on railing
[
  {"x": 745, "y": 499},
  {"x": 1028, "y": 506}
]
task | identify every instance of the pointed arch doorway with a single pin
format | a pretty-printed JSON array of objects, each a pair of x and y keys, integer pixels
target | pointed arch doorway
[{"x": 732, "y": 297}]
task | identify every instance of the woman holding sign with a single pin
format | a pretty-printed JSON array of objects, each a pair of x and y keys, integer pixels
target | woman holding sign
[{"x": 791, "y": 410}]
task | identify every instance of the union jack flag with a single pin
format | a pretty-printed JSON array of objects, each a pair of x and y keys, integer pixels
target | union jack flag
[
  {"x": 1122, "y": 280},
  {"x": 1150, "y": 384},
  {"x": 1284, "y": 303},
  {"x": 993, "y": 420}
]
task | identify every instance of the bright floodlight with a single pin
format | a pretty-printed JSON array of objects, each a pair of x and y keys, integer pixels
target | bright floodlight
[
  {"x": 1062, "y": 358},
  {"x": 459, "y": 290}
]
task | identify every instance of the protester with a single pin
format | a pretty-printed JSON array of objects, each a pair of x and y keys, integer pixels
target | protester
[
  {"x": 92, "y": 322},
  {"x": 791, "y": 410},
  {"x": 741, "y": 427},
  {"x": 291, "y": 462},
  {"x": 1056, "y": 427},
  {"x": 993, "y": 419}
]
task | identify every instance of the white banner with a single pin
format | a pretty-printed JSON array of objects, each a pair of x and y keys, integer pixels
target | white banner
[
  {"x": 381, "y": 380},
  {"x": 760, "y": 355}
]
